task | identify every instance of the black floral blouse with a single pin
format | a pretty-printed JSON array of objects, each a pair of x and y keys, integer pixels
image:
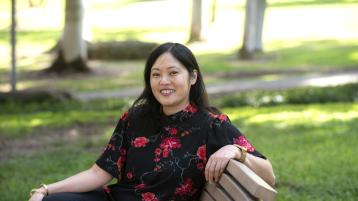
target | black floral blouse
[{"x": 165, "y": 159}]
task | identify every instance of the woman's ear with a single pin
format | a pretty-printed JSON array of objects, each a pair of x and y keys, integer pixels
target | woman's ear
[{"x": 193, "y": 77}]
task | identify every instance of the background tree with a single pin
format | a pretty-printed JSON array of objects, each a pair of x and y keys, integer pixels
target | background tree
[
  {"x": 196, "y": 21},
  {"x": 254, "y": 19},
  {"x": 72, "y": 52},
  {"x": 13, "y": 45}
]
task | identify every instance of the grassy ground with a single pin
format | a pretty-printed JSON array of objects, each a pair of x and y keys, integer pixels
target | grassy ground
[{"x": 311, "y": 148}]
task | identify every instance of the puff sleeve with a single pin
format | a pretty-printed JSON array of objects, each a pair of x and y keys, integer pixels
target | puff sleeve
[
  {"x": 113, "y": 158},
  {"x": 222, "y": 133}
]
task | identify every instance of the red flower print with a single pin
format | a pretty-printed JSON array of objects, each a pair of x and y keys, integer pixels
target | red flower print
[
  {"x": 191, "y": 109},
  {"x": 201, "y": 152},
  {"x": 140, "y": 142},
  {"x": 122, "y": 152},
  {"x": 165, "y": 153},
  {"x": 222, "y": 117},
  {"x": 157, "y": 151},
  {"x": 156, "y": 168},
  {"x": 185, "y": 188},
  {"x": 120, "y": 162},
  {"x": 106, "y": 189},
  {"x": 148, "y": 196},
  {"x": 170, "y": 143},
  {"x": 242, "y": 141},
  {"x": 124, "y": 116},
  {"x": 172, "y": 131},
  {"x": 156, "y": 160},
  {"x": 129, "y": 175},
  {"x": 200, "y": 166},
  {"x": 139, "y": 186}
]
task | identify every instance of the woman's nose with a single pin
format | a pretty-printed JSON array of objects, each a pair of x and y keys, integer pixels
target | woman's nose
[{"x": 164, "y": 80}]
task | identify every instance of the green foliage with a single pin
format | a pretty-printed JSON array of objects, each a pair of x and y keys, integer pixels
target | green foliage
[{"x": 305, "y": 95}]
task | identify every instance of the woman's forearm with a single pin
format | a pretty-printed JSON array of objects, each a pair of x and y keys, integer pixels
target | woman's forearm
[
  {"x": 84, "y": 181},
  {"x": 261, "y": 167}
]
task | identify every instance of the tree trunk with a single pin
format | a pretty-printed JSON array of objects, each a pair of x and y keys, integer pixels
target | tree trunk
[
  {"x": 72, "y": 53},
  {"x": 261, "y": 6},
  {"x": 213, "y": 11},
  {"x": 195, "y": 30},
  {"x": 254, "y": 18},
  {"x": 13, "y": 46}
]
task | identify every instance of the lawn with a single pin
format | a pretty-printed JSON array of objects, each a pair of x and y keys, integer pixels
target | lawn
[
  {"x": 311, "y": 148},
  {"x": 312, "y": 36}
]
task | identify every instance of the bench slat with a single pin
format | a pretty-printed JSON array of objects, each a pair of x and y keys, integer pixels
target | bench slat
[
  {"x": 234, "y": 189},
  {"x": 205, "y": 196},
  {"x": 217, "y": 193},
  {"x": 252, "y": 182}
]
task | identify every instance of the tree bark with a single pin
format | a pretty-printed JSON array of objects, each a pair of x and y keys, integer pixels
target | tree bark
[
  {"x": 254, "y": 18},
  {"x": 72, "y": 53},
  {"x": 196, "y": 21},
  {"x": 13, "y": 46}
]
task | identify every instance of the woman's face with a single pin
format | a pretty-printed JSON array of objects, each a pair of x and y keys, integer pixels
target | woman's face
[{"x": 170, "y": 82}]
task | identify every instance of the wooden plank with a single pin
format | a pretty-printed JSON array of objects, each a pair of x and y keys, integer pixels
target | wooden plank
[
  {"x": 234, "y": 189},
  {"x": 250, "y": 181},
  {"x": 205, "y": 196},
  {"x": 217, "y": 193}
]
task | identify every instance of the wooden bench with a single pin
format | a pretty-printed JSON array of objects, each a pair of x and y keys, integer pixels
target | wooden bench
[{"x": 238, "y": 183}]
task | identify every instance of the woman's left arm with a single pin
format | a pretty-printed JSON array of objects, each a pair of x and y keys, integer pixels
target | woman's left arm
[
  {"x": 262, "y": 167},
  {"x": 219, "y": 160}
]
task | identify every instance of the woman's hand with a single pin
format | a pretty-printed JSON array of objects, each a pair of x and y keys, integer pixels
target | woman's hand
[
  {"x": 218, "y": 161},
  {"x": 37, "y": 196}
]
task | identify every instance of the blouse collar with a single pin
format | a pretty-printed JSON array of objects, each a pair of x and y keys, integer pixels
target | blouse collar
[{"x": 180, "y": 116}]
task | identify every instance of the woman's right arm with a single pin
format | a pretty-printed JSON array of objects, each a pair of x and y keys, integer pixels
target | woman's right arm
[{"x": 87, "y": 180}]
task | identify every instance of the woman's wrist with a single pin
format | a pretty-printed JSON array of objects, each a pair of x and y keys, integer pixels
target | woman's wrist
[
  {"x": 43, "y": 189},
  {"x": 38, "y": 191},
  {"x": 242, "y": 153}
]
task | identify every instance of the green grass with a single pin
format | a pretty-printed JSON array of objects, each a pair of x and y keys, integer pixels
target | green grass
[
  {"x": 17, "y": 122},
  {"x": 311, "y": 147}
]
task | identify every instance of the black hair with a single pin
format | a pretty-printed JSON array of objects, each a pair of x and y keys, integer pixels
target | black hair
[{"x": 198, "y": 94}]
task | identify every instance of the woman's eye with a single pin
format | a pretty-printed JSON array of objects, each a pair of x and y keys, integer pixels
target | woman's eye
[
  {"x": 173, "y": 73},
  {"x": 155, "y": 75}
]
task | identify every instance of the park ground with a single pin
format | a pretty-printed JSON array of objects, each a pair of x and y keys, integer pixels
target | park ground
[{"x": 311, "y": 146}]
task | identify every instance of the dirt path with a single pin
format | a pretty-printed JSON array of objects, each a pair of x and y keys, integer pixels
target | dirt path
[{"x": 314, "y": 79}]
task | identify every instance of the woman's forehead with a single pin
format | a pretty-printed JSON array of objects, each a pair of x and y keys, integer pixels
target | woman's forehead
[{"x": 166, "y": 61}]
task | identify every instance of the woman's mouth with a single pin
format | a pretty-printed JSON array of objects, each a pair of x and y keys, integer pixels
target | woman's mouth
[{"x": 167, "y": 92}]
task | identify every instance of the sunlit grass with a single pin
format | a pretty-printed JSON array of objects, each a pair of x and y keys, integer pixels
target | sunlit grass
[
  {"x": 311, "y": 155},
  {"x": 305, "y": 144}
]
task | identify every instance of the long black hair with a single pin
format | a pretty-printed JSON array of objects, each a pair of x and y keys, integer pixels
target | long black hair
[{"x": 198, "y": 94}]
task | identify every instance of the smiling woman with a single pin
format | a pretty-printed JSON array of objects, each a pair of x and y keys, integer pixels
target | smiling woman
[{"x": 167, "y": 145}]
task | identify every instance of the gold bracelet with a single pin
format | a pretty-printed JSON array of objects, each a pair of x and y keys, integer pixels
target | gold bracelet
[
  {"x": 33, "y": 191},
  {"x": 243, "y": 152},
  {"x": 45, "y": 187}
]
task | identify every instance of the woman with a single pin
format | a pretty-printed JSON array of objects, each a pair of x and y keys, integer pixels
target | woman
[{"x": 167, "y": 145}]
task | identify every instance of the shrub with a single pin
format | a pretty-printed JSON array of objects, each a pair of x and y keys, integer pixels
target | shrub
[{"x": 304, "y": 95}]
